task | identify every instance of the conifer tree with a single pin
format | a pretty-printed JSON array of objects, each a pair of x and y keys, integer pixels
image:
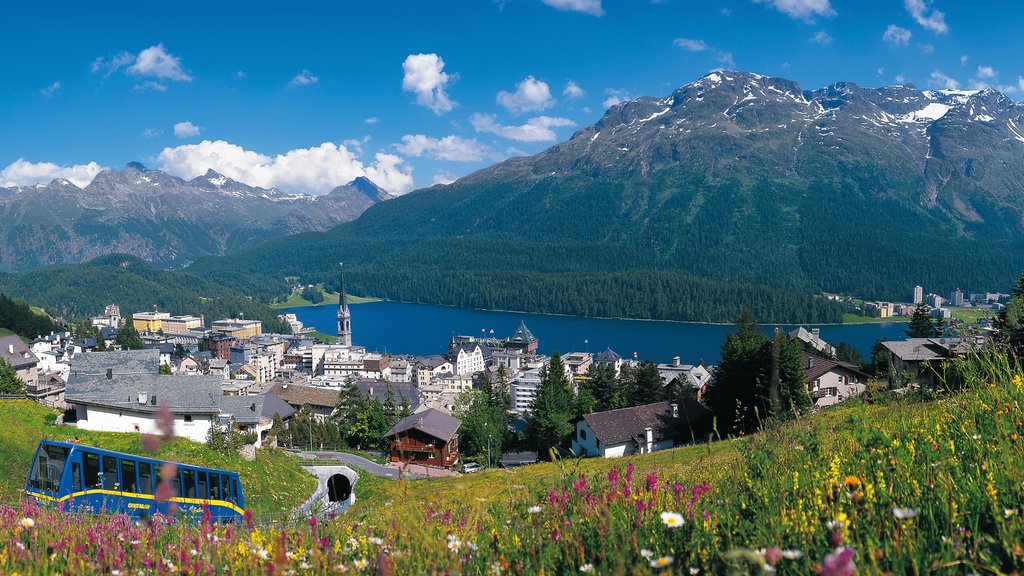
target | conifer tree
[
  {"x": 10, "y": 382},
  {"x": 920, "y": 325},
  {"x": 550, "y": 419}
]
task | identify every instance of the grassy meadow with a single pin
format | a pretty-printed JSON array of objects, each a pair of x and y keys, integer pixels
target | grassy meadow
[
  {"x": 272, "y": 483},
  {"x": 897, "y": 486}
]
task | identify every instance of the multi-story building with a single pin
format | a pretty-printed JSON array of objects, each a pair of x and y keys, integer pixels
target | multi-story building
[
  {"x": 218, "y": 345},
  {"x": 523, "y": 390},
  {"x": 578, "y": 363},
  {"x": 180, "y": 324},
  {"x": 111, "y": 317},
  {"x": 957, "y": 298},
  {"x": 918, "y": 294},
  {"x": 467, "y": 359},
  {"x": 25, "y": 362},
  {"x": 238, "y": 327},
  {"x": 149, "y": 321},
  {"x": 935, "y": 301},
  {"x": 880, "y": 309}
]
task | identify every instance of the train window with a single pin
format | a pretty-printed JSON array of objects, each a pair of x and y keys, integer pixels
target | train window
[
  {"x": 145, "y": 478},
  {"x": 90, "y": 470},
  {"x": 128, "y": 476},
  {"x": 189, "y": 483},
  {"x": 225, "y": 488},
  {"x": 204, "y": 494},
  {"x": 76, "y": 477},
  {"x": 109, "y": 472},
  {"x": 48, "y": 467},
  {"x": 214, "y": 486}
]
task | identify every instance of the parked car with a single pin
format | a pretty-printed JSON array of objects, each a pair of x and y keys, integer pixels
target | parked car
[{"x": 470, "y": 467}]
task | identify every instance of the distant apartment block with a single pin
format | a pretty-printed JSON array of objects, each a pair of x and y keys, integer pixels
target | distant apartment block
[
  {"x": 956, "y": 298},
  {"x": 880, "y": 309},
  {"x": 918, "y": 294}
]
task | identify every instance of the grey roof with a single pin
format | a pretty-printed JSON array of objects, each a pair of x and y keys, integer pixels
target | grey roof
[
  {"x": 624, "y": 424},
  {"x": 431, "y": 421},
  {"x": 377, "y": 389},
  {"x": 431, "y": 361},
  {"x": 918, "y": 349},
  {"x": 16, "y": 353},
  {"x": 609, "y": 356},
  {"x": 244, "y": 409},
  {"x": 273, "y": 406},
  {"x": 181, "y": 393},
  {"x": 120, "y": 361},
  {"x": 300, "y": 395}
]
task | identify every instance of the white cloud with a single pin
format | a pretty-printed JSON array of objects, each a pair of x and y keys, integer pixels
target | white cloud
[
  {"x": 927, "y": 48},
  {"x": 725, "y": 59},
  {"x": 112, "y": 64},
  {"x": 537, "y": 129},
  {"x": 531, "y": 95},
  {"x": 49, "y": 90},
  {"x": 151, "y": 133},
  {"x": 453, "y": 148},
  {"x": 424, "y": 75},
  {"x": 24, "y": 173},
  {"x": 902, "y": 79},
  {"x": 240, "y": 74},
  {"x": 592, "y": 7},
  {"x": 314, "y": 170},
  {"x": 572, "y": 90},
  {"x": 371, "y": 120},
  {"x": 987, "y": 72},
  {"x": 690, "y": 44},
  {"x": 304, "y": 78},
  {"x": 615, "y": 96},
  {"x": 186, "y": 129},
  {"x": 804, "y": 10},
  {"x": 934, "y": 21},
  {"x": 937, "y": 78},
  {"x": 151, "y": 85},
  {"x": 822, "y": 38},
  {"x": 896, "y": 37},
  {"x": 442, "y": 178},
  {"x": 964, "y": 59},
  {"x": 156, "y": 62}
]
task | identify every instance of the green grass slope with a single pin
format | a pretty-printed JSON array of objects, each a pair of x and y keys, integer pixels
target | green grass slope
[
  {"x": 273, "y": 483},
  {"x": 908, "y": 487}
]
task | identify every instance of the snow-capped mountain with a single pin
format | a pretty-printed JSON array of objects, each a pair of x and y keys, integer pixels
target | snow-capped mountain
[{"x": 167, "y": 220}]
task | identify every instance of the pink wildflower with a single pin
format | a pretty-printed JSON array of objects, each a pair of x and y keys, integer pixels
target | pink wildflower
[{"x": 839, "y": 563}]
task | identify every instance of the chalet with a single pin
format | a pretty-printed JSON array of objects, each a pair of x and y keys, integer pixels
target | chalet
[
  {"x": 640, "y": 429},
  {"x": 677, "y": 376},
  {"x": 916, "y": 361},
  {"x": 831, "y": 381},
  {"x": 812, "y": 338},
  {"x": 25, "y": 362},
  {"x": 429, "y": 438}
]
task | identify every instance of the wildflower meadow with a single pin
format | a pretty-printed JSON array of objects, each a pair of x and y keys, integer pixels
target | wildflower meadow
[{"x": 896, "y": 487}]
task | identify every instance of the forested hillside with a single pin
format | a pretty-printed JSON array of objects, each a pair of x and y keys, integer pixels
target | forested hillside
[
  {"x": 736, "y": 188},
  {"x": 76, "y": 291}
]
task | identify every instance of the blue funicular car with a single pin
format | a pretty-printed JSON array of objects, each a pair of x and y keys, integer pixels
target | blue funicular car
[{"x": 92, "y": 480}]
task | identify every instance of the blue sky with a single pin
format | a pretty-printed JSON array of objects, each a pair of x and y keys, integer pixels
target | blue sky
[{"x": 307, "y": 95}]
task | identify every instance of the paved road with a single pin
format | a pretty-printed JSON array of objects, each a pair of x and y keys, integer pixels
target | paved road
[{"x": 357, "y": 461}]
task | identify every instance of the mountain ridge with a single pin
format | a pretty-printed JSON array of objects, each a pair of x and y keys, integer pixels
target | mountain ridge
[
  {"x": 161, "y": 218},
  {"x": 735, "y": 179}
]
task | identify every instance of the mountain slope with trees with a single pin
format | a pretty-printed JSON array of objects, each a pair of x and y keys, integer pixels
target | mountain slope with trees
[{"x": 734, "y": 183}]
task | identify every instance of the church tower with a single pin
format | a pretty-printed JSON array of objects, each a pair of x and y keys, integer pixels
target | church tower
[{"x": 344, "y": 319}]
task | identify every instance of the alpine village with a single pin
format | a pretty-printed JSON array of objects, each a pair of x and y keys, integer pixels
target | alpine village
[{"x": 517, "y": 287}]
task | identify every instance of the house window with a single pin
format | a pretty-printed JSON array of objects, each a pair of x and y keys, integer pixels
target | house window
[
  {"x": 188, "y": 418},
  {"x": 583, "y": 434}
]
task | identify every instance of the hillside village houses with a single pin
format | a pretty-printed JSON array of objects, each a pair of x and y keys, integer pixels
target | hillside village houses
[{"x": 234, "y": 374}]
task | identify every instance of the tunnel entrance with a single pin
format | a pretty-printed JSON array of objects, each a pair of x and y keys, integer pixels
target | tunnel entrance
[{"x": 339, "y": 488}]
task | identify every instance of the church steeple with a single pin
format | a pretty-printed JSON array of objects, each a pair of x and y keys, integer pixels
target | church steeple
[{"x": 344, "y": 318}]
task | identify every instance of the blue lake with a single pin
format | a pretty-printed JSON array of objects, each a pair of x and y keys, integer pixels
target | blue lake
[{"x": 424, "y": 329}]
